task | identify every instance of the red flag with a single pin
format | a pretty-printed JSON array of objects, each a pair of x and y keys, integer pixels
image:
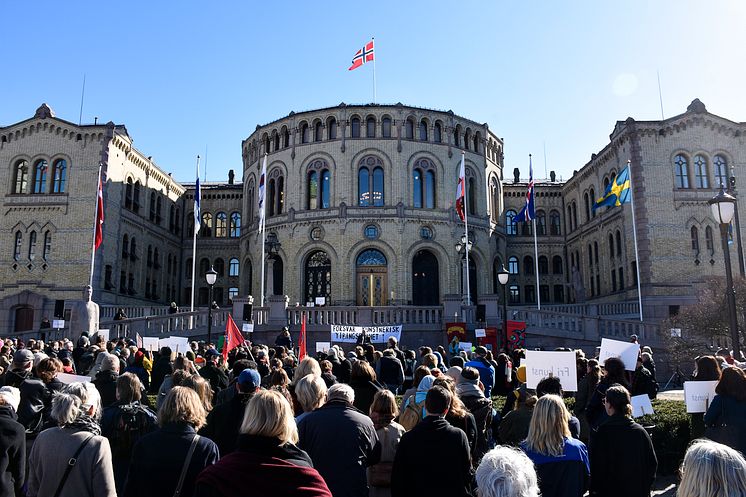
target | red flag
[
  {"x": 233, "y": 337},
  {"x": 362, "y": 56},
  {"x": 460, "y": 191},
  {"x": 99, "y": 236},
  {"x": 302, "y": 338}
]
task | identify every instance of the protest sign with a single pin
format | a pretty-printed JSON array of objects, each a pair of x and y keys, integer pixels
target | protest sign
[
  {"x": 480, "y": 333},
  {"x": 641, "y": 406},
  {"x": 248, "y": 328},
  {"x": 323, "y": 346},
  {"x": 377, "y": 334},
  {"x": 541, "y": 364},
  {"x": 177, "y": 344},
  {"x": 105, "y": 334},
  {"x": 626, "y": 351},
  {"x": 150, "y": 343},
  {"x": 698, "y": 395},
  {"x": 320, "y": 301},
  {"x": 58, "y": 323},
  {"x": 72, "y": 378},
  {"x": 465, "y": 346}
]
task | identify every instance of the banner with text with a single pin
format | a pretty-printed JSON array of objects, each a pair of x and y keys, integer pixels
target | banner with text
[
  {"x": 377, "y": 334},
  {"x": 699, "y": 395}
]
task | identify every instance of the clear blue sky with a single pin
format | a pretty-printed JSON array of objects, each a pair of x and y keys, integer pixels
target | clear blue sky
[{"x": 188, "y": 76}]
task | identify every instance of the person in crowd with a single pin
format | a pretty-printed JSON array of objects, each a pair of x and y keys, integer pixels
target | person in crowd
[
  {"x": 390, "y": 371},
  {"x": 138, "y": 367},
  {"x": 712, "y": 469},
  {"x": 648, "y": 361},
  {"x": 12, "y": 445},
  {"x": 561, "y": 461},
  {"x": 181, "y": 363},
  {"x": 458, "y": 416},
  {"x": 382, "y": 413},
  {"x": 393, "y": 344},
  {"x": 623, "y": 462},
  {"x": 355, "y": 444},
  {"x": 467, "y": 388},
  {"x": 311, "y": 393},
  {"x": 727, "y": 412},
  {"x": 213, "y": 373},
  {"x": 308, "y": 365},
  {"x": 419, "y": 373},
  {"x": 506, "y": 472},
  {"x": 370, "y": 354},
  {"x": 454, "y": 372},
  {"x": 162, "y": 367},
  {"x": 106, "y": 380},
  {"x": 552, "y": 386},
  {"x": 503, "y": 376},
  {"x": 236, "y": 369},
  {"x": 266, "y": 460},
  {"x": 19, "y": 369},
  {"x": 614, "y": 374},
  {"x": 440, "y": 362},
  {"x": 124, "y": 423},
  {"x": 706, "y": 368},
  {"x": 409, "y": 365},
  {"x": 100, "y": 355},
  {"x": 76, "y": 438},
  {"x": 120, "y": 315},
  {"x": 413, "y": 410},
  {"x": 160, "y": 458},
  {"x": 224, "y": 421},
  {"x": 284, "y": 339},
  {"x": 412, "y": 473},
  {"x": 363, "y": 381},
  {"x": 202, "y": 387},
  {"x": 486, "y": 370},
  {"x": 642, "y": 382},
  {"x": 326, "y": 373},
  {"x": 278, "y": 380},
  {"x": 586, "y": 386},
  {"x": 513, "y": 428},
  {"x": 341, "y": 366}
]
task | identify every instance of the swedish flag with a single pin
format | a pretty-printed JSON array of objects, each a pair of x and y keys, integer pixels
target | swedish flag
[{"x": 617, "y": 193}]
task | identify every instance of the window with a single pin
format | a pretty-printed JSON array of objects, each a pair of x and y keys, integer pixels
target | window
[
  {"x": 232, "y": 294},
  {"x": 190, "y": 224},
  {"x": 423, "y": 130},
  {"x": 621, "y": 278},
  {"x": 304, "y": 138},
  {"x": 318, "y": 132},
  {"x": 280, "y": 197},
  {"x": 423, "y": 182},
  {"x": 233, "y": 267},
  {"x": 695, "y": 238},
  {"x": 136, "y": 198},
  {"x": 426, "y": 233},
  {"x": 618, "y": 243},
  {"x": 355, "y": 127},
  {"x": 371, "y": 231},
  {"x": 514, "y": 292},
  {"x": 386, "y": 127},
  {"x": 681, "y": 171},
  {"x": 721, "y": 171},
  {"x": 318, "y": 194},
  {"x": 613, "y": 280},
  {"x": 700, "y": 172},
  {"x": 708, "y": 240},
  {"x": 438, "y": 133},
  {"x": 409, "y": 129},
  {"x": 40, "y": 176},
  {"x": 370, "y": 182},
  {"x": 543, "y": 265},
  {"x": 472, "y": 186},
  {"x": 586, "y": 206},
  {"x": 47, "y": 245},
  {"x": 511, "y": 227},
  {"x": 17, "y": 246},
  {"x": 235, "y": 226},
  {"x": 557, "y": 264},
  {"x": 633, "y": 268},
  {"x": 107, "y": 278},
  {"x": 541, "y": 223},
  {"x": 529, "y": 293},
  {"x": 150, "y": 256},
  {"x": 158, "y": 210},
  {"x": 528, "y": 265},
  {"x": 122, "y": 282},
  {"x": 128, "y": 194},
  {"x": 559, "y": 294},
  {"x": 221, "y": 220},
  {"x": 171, "y": 213},
  {"x": 152, "y": 206},
  {"x": 370, "y": 127},
  {"x": 331, "y": 128},
  {"x": 611, "y": 245},
  {"x": 206, "y": 224},
  {"x": 592, "y": 196},
  {"x": 595, "y": 252},
  {"x": 32, "y": 246},
  {"x": 21, "y": 179},
  {"x": 188, "y": 269},
  {"x": 527, "y": 228},
  {"x": 285, "y": 137},
  {"x": 59, "y": 176},
  {"x": 125, "y": 246},
  {"x": 513, "y": 265},
  {"x": 456, "y": 134},
  {"x": 219, "y": 267},
  {"x": 275, "y": 141},
  {"x": 544, "y": 293},
  {"x": 554, "y": 223},
  {"x": 156, "y": 259}
]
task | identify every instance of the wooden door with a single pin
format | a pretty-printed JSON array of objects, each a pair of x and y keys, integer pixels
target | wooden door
[
  {"x": 24, "y": 319},
  {"x": 371, "y": 287}
]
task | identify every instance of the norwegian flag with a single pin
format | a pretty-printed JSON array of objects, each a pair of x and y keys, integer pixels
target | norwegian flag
[
  {"x": 99, "y": 236},
  {"x": 528, "y": 212},
  {"x": 262, "y": 193},
  {"x": 362, "y": 56},
  {"x": 460, "y": 189}
]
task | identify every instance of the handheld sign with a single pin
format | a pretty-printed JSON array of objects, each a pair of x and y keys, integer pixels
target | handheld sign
[
  {"x": 626, "y": 351},
  {"x": 480, "y": 333},
  {"x": 699, "y": 395},
  {"x": 58, "y": 323},
  {"x": 465, "y": 346},
  {"x": 105, "y": 334},
  {"x": 72, "y": 378},
  {"x": 320, "y": 301},
  {"x": 248, "y": 328},
  {"x": 641, "y": 406},
  {"x": 150, "y": 343},
  {"x": 323, "y": 346},
  {"x": 542, "y": 364}
]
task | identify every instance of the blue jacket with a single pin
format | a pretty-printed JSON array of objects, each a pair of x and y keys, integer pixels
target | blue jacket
[
  {"x": 564, "y": 476},
  {"x": 486, "y": 373}
]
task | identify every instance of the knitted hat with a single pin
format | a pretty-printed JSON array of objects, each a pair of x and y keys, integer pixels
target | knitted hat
[{"x": 11, "y": 396}]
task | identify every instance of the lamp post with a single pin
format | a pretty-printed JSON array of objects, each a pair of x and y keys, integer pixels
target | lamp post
[
  {"x": 272, "y": 246},
  {"x": 211, "y": 276},
  {"x": 502, "y": 277},
  {"x": 723, "y": 208},
  {"x": 462, "y": 247}
]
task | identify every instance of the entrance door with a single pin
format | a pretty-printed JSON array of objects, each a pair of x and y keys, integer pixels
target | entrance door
[
  {"x": 425, "y": 288},
  {"x": 24, "y": 319},
  {"x": 318, "y": 277},
  {"x": 371, "y": 287}
]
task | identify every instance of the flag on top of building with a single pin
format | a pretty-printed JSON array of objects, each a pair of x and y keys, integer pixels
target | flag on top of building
[
  {"x": 365, "y": 54},
  {"x": 197, "y": 194},
  {"x": 262, "y": 181},
  {"x": 528, "y": 211},
  {"x": 460, "y": 191},
  {"x": 99, "y": 234},
  {"x": 617, "y": 192}
]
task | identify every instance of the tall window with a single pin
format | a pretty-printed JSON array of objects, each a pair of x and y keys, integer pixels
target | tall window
[
  {"x": 136, "y": 197},
  {"x": 221, "y": 220},
  {"x": 285, "y": 137},
  {"x": 511, "y": 227},
  {"x": 586, "y": 206},
  {"x": 233, "y": 267},
  {"x": 472, "y": 186},
  {"x": 158, "y": 210},
  {"x": 514, "y": 293},
  {"x": 318, "y": 132},
  {"x": 370, "y": 182},
  {"x": 513, "y": 265},
  {"x": 695, "y": 238},
  {"x": 438, "y": 133},
  {"x": 219, "y": 267},
  {"x": 275, "y": 141},
  {"x": 529, "y": 294},
  {"x": 541, "y": 223},
  {"x": 721, "y": 171},
  {"x": 618, "y": 243},
  {"x": 528, "y": 265},
  {"x": 21, "y": 180},
  {"x": 319, "y": 188},
  {"x": 386, "y": 127},
  {"x": 700, "y": 172},
  {"x": 355, "y": 127},
  {"x": 128, "y": 194},
  {"x": 32, "y": 246},
  {"x": 557, "y": 264},
  {"x": 423, "y": 130},
  {"x": 554, "y": 223},
  {"x": 235, "y": 227},
  {"x": 40, "y": 176},
  {"x": 708, "y": 240},
  {"x": 17, "y": 246},
  {"x": 125, "y": 246},
  {"x": 331, "y": 128},
  {"x": 409, "y": 129},
  {"x": 681, "y": 171},
  {"x": 543, "y": 265},
  {"x": 611, "y": 245},
  {"x": 595, "y": 252},
  {"x": 47, "y": 245},
  {"x": 152, "y": 206},
  {"x": 592, "y": 195},
  {"x": 370, "y": 127},
  {"x": 456, "y": 136},
  {"x": 59, "y": 176},
  {"x": 206, "y": 224},
  {"x": 133, "y": 249},
  {"x": 304, "y": 138},
  {"x": 423, "y": 179}
]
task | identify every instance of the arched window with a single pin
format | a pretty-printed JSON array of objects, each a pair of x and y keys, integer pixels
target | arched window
[
  {"x": 590, "y": 256},
  {"x": 457, "y": 136},
  {"x": 681, "y": 171},
  {"x": 709, "y": 241},
  {"x": 47, "y": 245},
  {"x": 528, "y": 265},
  {"x": 280, "y": 195},
  {"x": 266, "y": 143},
  {"x": 386, "y": 127},
  {"x": 514, "y": 294},
  {"x": 543, "y": 265},
  {"x": 275, "y": 141},
  {"x": 313, "y": 190},
  {"x": 271, "y": 197},
  {"x": 423, "y": 130},
  {"x": 177, "y": 222},
  {"x": 595, "y": 252},
  {"x": 21, "y": 177},
  {"x": 219, "y": 267},
  {"x": 557, "y": 264},
  {"x": 171, "y": 212},
  {"x": 128, "y": 194},
  {"x": 17, "y": 246},
  {"x": 304, "y": 138},
  {"x": 59, "y": 176},
  {"x": 150, "y": 256},
  {"x": 409, "y": 129},
  {"x": 190, "y": 224},
  {"x": 695, "y": 238},
  {"x": 233, "y": 267},
  {"x": 611, "y": 245},
  {"x": 125, "y": 246},
  {"x": 721, "y": 171},
  {"x": 355, "y": 127},
  {"x": 495, "y": 199},
  {"x": 318, "y": 132},
  {"x": 423, "y": 183},
  {"x": 586, "y": 206},
  {"x": 574, "y": 215},
  {"x": 541, "y": 223},
  {"x": 156, "y": 259},
  {"x": 32, "y": 246},
  {"x": 554, "y": 223},
  {"x": 477, "y": 139},
  {"x": 188, "y": 269},
  {"x": 204, "y": 266},
  {"x": 592, "y": 195},
  {"x": 513, "y": 265},
  {"x": 40, "y": 176},
  {"x": 527, "y": 228},
  {"x": 158, "y": 210},
  {"x": 331, "y": 128},
  {"x": 370, "y": 182},
  {"x": 701, "y": 180},
  {"x": 472, "y": 186},
  {"x": 317, "y": 281},
  {"x": 285, "y": 137},
  {"x": 425, "y": 279},
  {"x": 152, "y": 206},
  {"x": 206, "y": 224},
  {"x": 136, "y": 197},
  {"x": 438, "y": 133},
  {"x": 618, "y": 243},
  {"x": 235, "y": 226},
  {"x": 221, "y": 221},
  {"x": 370, "y": 127},
  {"x": 511, "y": 227}
]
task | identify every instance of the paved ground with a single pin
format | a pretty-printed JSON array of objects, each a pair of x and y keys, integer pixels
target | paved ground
[{"x": 671, "y": 395}]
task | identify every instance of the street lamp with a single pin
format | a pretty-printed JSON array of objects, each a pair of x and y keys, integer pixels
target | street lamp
[
  {"x": 272, "y": 247},
  {"x": 723, "y": 208},
  {"x": 502, "y": 277},
  {"x": 463, "y": 247},
  {"x": 211, "y": 276}
]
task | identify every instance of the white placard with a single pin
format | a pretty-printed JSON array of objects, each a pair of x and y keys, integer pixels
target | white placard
[
  {"x": 699, "y": 395},
  {"x": 626, "y": 351},
  {"x": 676, "y": 332},
  {"x": 177, "y": 344},
  {"x": 641, "y": 406},
  {"x": 73, "y": 378},
  {"x": 320, "y": 301},
  {"x": 465, "y": 346},
  {"x": 542, "y": 364},
  {"x": 58, "y": 323},
  {"x": 105, "y": 334},
  {"x": 150, "y": 343},
  {"x": 248, "y": 328},
  {"x": 377, "y": 334},
  {"x": 323, "y": 346},
  {"x": 480, "y": 332},
  {"x": 309, "y": 304}
]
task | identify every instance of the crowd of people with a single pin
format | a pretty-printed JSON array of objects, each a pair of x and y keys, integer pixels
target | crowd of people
[{"x": 356, "y": 422}]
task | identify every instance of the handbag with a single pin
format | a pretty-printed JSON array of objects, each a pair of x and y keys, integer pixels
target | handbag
[
  {"x": 380, "y": 474},
  {"x": 70, "y": 465},
  {"x": 185, "y": 468},
  {"x": 722, "y": 433}
]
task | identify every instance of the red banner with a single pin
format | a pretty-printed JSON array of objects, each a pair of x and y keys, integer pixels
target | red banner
[
  {"x": 516, "y": 335},
  {"x": 490, "y": 340}
]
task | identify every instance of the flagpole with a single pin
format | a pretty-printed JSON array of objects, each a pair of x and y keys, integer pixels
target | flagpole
[
  {"x": 466, "y": 232},
  {"x": 95, "y": 222},
  {"x": 374, "y": 71},
  {"x": 634, "y": 235},
  {"x": 194, "y": 247},
  {"x": 536, "y": 263},
  {"x": 262, "y": 224}
]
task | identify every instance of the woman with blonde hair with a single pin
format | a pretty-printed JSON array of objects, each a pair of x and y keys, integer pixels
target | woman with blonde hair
[
  {"x": 711, "y": 469},
  {"x": 203, "y": 389},
  {"x": 266, "y": 460},
  {"x": 311, "y": 394},
  {"x": 561, "y": 461},
  {"x": 307, "y": 366},
  {"x": 170, "y": 458},
  {"x": 383, "y": 410}
]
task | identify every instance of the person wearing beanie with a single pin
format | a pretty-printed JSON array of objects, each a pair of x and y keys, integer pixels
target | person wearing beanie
[
  {"x": 486, "y": 370},
  {"x": 467, "y": 389},
  {"x": 13, "y": 447}
]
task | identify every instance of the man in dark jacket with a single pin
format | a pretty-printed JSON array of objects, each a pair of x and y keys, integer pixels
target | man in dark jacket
[
  {"x": 162, "y": 367},
  {"x": 479, "y": 406},
  {"x": 12, "y": 450},
  {"x": 389, "y": 371},
  {"x": 341, "y": 366},
  {"x": 224, "y": 421},
  {"x": 342, "y": 442},
  {"x": 393, "y": 345},
  {"x": 486, "y": 370},
  {"x": 413, "y": 473},
  {"x": 106, "y": 381},
  {"x": 214, "y": 373},
  {"x": 33, "y": 391}
]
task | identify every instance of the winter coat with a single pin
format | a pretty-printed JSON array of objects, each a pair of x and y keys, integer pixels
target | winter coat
[
  {"x": 481, "y": 408},
  {"x": 726, "y": 410},
  {"x": 390, "y": 372},
  {"x": 224, "y": 422},
  {"x": 514, "y": 426},
  {"x": 469, "y": 427},
  {"x": 389, "y": 436},
  {"x": 106, "y": 384},
  {"x": 364, "y": 393},
  {"x": 486, "y": 373},
  {"x": 216, "y": 376},
  {"x": 565, "y": 475},
  {"x": 161, "y": 368},
  {"x": 12, "y": 453},
  {"x": 342, "y": 442}
]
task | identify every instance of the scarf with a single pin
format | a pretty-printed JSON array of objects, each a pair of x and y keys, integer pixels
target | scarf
[{"x": 85, "y": 423}]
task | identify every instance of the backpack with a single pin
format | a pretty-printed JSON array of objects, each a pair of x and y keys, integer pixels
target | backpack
[
  {"x": 133, "y": 421},
  {"x": 412, "y": 413}
]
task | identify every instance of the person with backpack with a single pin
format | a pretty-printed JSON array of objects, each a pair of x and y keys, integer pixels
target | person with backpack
[
  {"x": 479, "y": 406},
  {"x": 413, "y": 409},
  {"x": 486, "y": 370},
  {"x": 124, "y": 423}
]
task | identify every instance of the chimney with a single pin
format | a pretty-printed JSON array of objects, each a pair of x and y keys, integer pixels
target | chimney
[
  {"x": 231, "y": 176},
  {"x": 552, "y": 176}
]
